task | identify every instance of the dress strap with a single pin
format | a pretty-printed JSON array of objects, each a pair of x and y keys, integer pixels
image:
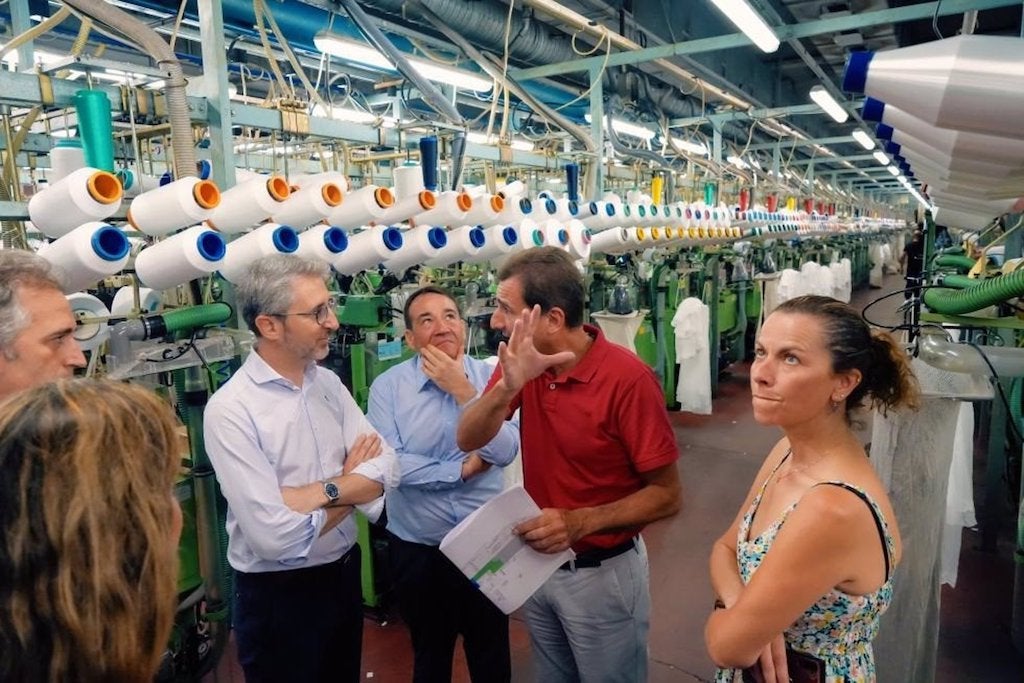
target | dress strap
[
  {"x": 876, "y": 514},
  {"x": 771, "y": 474},
  {"x": 744, "y": 530}
]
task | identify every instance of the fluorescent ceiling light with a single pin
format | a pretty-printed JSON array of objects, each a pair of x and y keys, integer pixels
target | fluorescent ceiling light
[
  {"x": 892, "y": 169},
  {"x": 736, "y": 161},
  {"x": 824, "y": 100},
  {"x": 627, "y": 128},
  {"x": 482, "y": 139},
  {"x": 354, "y": 116},
  {"x": 864, "y": 139},
  {"x": 691, "y": 147},
  {"x": 554, "y": 181},
  {"x": 352, "y": 51},
  {"x": 902, "y": 178},
  {"x": 882, "y": 159},
  {"x": 743, "y": 17}
]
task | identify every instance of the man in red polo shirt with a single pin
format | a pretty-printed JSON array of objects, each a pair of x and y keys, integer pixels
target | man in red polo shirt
[{"x": 599, "y": 457}]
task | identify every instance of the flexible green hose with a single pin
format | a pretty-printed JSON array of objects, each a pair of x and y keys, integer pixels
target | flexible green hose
[
  {"x": 196, "y": 316},
  {"x": 987, "y": 293},
  {"x": 959, "y": 281},
  {"x": 964, "y": 263}
]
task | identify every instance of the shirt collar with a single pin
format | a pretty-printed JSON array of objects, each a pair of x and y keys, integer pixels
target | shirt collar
[
  {"x": 593, "y": 358},
  {"x": 260, "y": 372}
]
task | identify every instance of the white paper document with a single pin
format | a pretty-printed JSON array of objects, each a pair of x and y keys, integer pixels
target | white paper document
[{"x": 506, "y": 569}]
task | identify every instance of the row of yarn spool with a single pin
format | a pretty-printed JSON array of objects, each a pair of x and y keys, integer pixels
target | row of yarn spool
[
  {"x": 74, "y": 209},
  {"x": 315, "y": 216},
  {"x": 926, "y": 98}
]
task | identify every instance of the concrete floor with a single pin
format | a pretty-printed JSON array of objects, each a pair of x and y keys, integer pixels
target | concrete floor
[{"x": 720, "y": 454}]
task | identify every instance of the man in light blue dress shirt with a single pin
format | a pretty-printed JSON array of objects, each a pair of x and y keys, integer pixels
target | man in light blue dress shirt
[
  {"x": 294, "y": 454},
  {"x": 416, "y": 407}
]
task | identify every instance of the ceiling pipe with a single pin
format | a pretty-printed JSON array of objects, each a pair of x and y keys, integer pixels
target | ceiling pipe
[
  {"x": 483, "y": 24},
  {"x": 580, "y": 23}
]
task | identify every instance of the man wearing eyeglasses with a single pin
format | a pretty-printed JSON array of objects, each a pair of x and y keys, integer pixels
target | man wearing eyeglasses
[
  {"x": 294, "y": 455},
  {"x": 416, "y": 406}
]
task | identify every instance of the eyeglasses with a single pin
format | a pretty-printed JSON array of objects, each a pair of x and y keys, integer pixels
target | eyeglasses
[{"x": 319, "y": 314}]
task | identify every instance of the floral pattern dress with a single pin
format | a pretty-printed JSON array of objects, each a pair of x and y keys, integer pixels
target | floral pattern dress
[{"x": 838, "y": 628}]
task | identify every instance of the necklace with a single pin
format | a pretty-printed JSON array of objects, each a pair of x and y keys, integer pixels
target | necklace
[{"x": 797, "y": 469}]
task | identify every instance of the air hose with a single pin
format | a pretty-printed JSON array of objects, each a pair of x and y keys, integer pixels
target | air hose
[
  {"x": 968, "y": 300},
  {"x": 959, "y": 281},
  {"x": 187, "y": 319},
  {"x": 964, "y": 263}
]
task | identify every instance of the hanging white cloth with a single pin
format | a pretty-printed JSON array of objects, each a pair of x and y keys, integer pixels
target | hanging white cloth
[
  {"x": 692, "y": 323},
  {"x": 960, "y": 494}
]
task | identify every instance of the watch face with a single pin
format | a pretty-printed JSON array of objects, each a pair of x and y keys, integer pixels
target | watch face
[{"x": 331, "y": 489}]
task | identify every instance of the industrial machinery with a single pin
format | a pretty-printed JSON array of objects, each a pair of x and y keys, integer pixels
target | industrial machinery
[{"x": 154, "y": 149}]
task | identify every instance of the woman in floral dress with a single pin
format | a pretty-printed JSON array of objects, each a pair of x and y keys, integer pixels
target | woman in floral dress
[{"x": 805, "y": 570}]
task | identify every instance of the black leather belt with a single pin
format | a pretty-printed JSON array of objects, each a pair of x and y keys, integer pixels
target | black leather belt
[
  {"x": 589, "y": 559},
  {"x": 302, "y": 574}
]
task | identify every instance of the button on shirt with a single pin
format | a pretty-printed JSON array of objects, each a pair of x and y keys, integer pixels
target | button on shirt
[
  {"x": 263, "y": 432},
  {"x": 420, "y": 419}
]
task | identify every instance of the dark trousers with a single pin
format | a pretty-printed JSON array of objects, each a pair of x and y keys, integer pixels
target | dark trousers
[
  {"x": 301, "y": 624},
  {"x": 439, "y": 603}
]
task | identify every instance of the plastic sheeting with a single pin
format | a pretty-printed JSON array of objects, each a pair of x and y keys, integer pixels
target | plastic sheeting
[
  {"x": 769, "y": 283},
  {"x": 817, "y": 279},
  {"x": 912, "y": 453},
  {"x": 877, "y": 262},
  {"x": 842, "y": 280},
  {"x": 791, "y": 285},
  {"x": 692, "y": 323}
]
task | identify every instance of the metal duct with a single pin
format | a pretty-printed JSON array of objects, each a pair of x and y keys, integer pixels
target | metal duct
[
  {"x": 483, "y": 24},
  {"x": 531, "y": 41}
]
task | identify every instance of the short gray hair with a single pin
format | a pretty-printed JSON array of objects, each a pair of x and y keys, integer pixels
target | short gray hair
[
  {"x": 266, "y": 288},
  {"x": 18, "y": 269}
]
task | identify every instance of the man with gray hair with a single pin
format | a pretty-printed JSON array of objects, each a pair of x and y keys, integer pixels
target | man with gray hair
[
  {"x": 37, "y": 342},
  {"x": 294, "y": 454}
]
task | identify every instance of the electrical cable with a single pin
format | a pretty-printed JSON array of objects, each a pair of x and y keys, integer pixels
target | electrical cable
[{"x": 935, "y": 21}]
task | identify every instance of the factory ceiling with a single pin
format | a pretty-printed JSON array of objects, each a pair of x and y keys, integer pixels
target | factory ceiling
[{"x": 678, "y": 68}]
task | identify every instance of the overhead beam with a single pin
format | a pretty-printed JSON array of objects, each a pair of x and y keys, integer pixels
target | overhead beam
[
  {"x": 837, "y": 140},
  {"x": 831, "y": 160},
  {"x": 896, "y": 15}
]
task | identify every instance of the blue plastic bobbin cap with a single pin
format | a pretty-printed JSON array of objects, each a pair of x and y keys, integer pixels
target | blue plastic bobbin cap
[
  {"x": 211, "y": 245},
  {"x": 476, "y": 237},
  {"x": 335, "y": 240},
  {"x": 873, "y": 109},
  {"x": 510, "y": 236},
  {"x": 392, "y": 238},
  {"x": 884, "y": 131},
  {"x": 892, "y": 147},
  {"x": 855, "y": 76},
  {"x": 110, "y": 244},
  {"x": 285, "y": 239},
  {"x": 437, "y": 238}
]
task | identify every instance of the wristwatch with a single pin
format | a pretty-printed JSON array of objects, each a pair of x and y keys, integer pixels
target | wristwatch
[{"x": 331, "y": 491}]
